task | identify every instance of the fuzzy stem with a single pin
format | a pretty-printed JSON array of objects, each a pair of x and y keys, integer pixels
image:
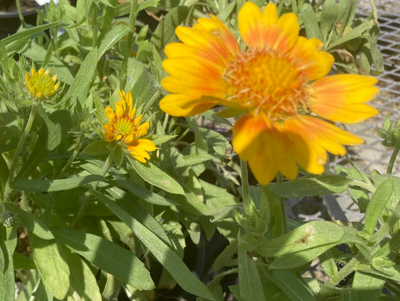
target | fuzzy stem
[
  {"x": 75, "y": 153},
  {"x": 20, "y": 145},
  {"x": 245, "y": 187},
  {"x": 279, "y": 179},
  {"x": 350, "y": 267},
  {"x": 393, "y": 158},
  {"x": 21, "y": 16}
]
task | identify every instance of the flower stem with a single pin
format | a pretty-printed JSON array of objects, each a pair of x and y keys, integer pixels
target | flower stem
[
  {"x": 350, "y": 267},
  {"x": 85, "y": 202},
  {"x": 20, "y": 145},
  {"x": 279, "y": 179},
  {"x": 75, "y": 153},
  {"x": 21, "y": 16},
  {"x": 393, "y": 158},
  {"x": 245, "y": 187}
]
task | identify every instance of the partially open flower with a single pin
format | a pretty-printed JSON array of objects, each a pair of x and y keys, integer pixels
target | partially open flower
[
  {"x": 123, "y": 126},
  {"x": 40, "y": 84},
  {"x": 277, "y": 83}
]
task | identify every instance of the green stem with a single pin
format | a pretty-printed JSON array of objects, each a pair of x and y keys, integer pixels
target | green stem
[
  {"x": 85, "y": 202},
  {"x": 20, "y": 145},
  {"x": 75, "y": 153},
  {"x": 21, "y": 16},
  {"x": 245, "y": 187},
  {"x": 350, "y": 267},
  {"x": 384, "y": 230},
  {"x": 393, "y": 158},
  {"x": 165, "y": 121},
  {"x": 279, "y": 179}
]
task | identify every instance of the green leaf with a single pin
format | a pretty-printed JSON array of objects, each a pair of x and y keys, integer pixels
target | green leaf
[
  {"x": 369, "y": 287},
  {"x": 38, "y": 55},
  {"x": 9, "y": 139},
  {"x": 140, "y": 214},
  {"x": 210, "y": 114},
  {"x": 141, "y": 192},
  {"x": 147, "y": 3},
  {"x": 116, "y": 34},
  {"x": 161, "y": 251},
  {"x": 7, "y": 277},
  {"x": 155, "y": 176},
  {"x": 303, "y": 187},
  {"x": 96, "y": 148},
  {"x": 84, "y": 77},
  {"x": 22, "y": 262},
  {"x": 27, "y": 33},
  {"x": 118, "y": 156},
  {"x": 53, "y": 132},
  {"x": 83, "y": 282},
  {"x": 328, "y": 264},
  {"x": 225, "y": 257},
  {"x": 224, "y": 13},
  {"x": 33, "y": 224},
  {"x": 354, "y": 34},
  {"x": 328, "y": 17},
  {"x": 310, "y": 22},
  {"x": 165, "y": 31},
  {"x": 107, "y": 256},
  {"x": 55, "y": 185},
  {"x": 290, "y": 261},
  {"x": 249, "y": 279},
  {"x": 380, "y": 198},
  {"x": 311, "y": 235},
  {"x": 52, "y": 267},
  {"x": 158, "y": 140},
  {"x": 291, "y": 285}
]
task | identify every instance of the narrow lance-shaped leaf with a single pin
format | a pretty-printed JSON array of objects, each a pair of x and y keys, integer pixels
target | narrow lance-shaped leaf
[
  {"x": 160, "y": 250},
  {"x": 55, "y": 185},
  {"x": 381, "y": 197},
  {"x": 155, "y": 176},
  {"x": 36, "y": 226},
  {"x": 249, "y": 279},
  {"x": 311, "y": 235},
  {"x": 52, "y": 267},
  {"x": 107, "y": 256}
]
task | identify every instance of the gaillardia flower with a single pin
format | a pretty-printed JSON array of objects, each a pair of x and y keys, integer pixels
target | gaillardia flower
[
  {"x": 123, "y": 126},
  {"x": 40, "y": 84},
  {"x": 278, "y": 82}
]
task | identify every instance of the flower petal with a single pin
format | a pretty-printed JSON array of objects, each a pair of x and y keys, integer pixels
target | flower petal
[
  {"x": 186, "y": 105},
  {"x": 341, "y": 98},
  {"x": 193, "y": 76},
  {"x": 265, "y": 30},
  {"x": 139, "y": 149},
  {"x": 270, "y": 15},
  {"x": 217, "y": 28},
  {"x": 211, "y": 47},
  {"x": 307, "y": 55},
  {"x": 109, "y": 113},
  {"x": 119, "y": 111},
  {"x": 251, "y": 24},
  {"x": 257, "y": 140}
]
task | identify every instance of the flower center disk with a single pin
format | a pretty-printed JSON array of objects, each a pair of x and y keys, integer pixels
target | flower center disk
[{"x": 266, "y": 81}]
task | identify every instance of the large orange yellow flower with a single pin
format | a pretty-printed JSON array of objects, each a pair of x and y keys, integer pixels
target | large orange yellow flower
[
  {"x": 123, "y": 126},
  {"x": 279, "y": 84}
]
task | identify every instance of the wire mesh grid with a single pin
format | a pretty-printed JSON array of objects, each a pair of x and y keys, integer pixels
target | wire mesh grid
[{"x": 372, "y": 154}]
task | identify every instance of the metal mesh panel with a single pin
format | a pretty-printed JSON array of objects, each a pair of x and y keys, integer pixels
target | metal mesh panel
[{"x": 372, "y": 154}]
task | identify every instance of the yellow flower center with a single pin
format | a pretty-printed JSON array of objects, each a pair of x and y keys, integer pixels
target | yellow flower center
[
  {"x": 125, "y": 126},
  {"x": 40, "y": 84},
  {"x": 267, "y": 81}
]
